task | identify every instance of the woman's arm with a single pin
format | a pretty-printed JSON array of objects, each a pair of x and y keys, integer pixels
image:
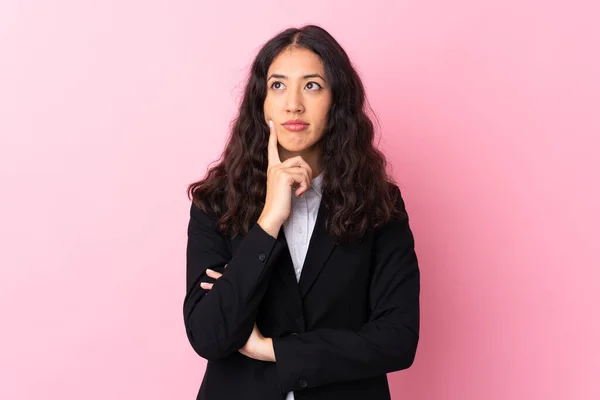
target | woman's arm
[
  {"x": 388, "y": 342},
  {"x": 218, "y": 322}
]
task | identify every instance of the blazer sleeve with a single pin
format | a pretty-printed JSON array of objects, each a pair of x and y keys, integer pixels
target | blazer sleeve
[
  {"x": 386, "y": 343},
  {"x": 218, "y": 322}
]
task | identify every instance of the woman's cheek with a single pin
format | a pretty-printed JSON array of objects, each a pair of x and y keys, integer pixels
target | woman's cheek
[{"x": 268, "y": 111}]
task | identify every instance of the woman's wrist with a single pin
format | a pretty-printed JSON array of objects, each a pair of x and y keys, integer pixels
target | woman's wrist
[
  {"x": 268, "y": 351},
  {"x": 269, "y": 225}
]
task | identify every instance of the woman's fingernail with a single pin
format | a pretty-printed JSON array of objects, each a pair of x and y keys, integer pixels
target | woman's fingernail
[{"x": 209, "y": 270}]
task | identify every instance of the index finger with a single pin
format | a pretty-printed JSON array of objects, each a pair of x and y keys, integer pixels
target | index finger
[{"x": 272, "y": 147}]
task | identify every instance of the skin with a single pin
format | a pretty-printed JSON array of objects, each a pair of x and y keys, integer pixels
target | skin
[
  {"x": 296, "y": 89},
  {"x": 295, "y": 96}
]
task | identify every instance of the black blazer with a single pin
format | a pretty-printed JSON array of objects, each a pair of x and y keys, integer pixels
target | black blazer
[{"x": 352, "y": 318}]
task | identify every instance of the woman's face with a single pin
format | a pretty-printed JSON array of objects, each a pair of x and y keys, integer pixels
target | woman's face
[{"x": 296, "y": 89}]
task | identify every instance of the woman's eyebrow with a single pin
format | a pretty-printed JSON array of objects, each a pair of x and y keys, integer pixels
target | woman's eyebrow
[{"x": 279, "y": 76}]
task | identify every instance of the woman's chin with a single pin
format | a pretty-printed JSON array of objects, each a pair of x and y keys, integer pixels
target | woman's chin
[
  {"x": 294, "y": 144},
  {"x": 293, "y": 147}
]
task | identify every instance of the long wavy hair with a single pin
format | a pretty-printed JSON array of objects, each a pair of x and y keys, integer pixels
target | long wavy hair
[{"x": 356, "y": 189}]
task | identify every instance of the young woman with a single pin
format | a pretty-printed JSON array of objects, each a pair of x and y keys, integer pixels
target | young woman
[{"x": 302, "y": 278}]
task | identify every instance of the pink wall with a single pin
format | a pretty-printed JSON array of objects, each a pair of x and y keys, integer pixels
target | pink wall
[{"x": 490, "y": 116}]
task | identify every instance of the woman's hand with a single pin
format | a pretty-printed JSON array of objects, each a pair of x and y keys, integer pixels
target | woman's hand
[
  {"x": 281, "y": 178},
  {"x": 257, "y": 346},
  {"x": 212, "y": 274}
]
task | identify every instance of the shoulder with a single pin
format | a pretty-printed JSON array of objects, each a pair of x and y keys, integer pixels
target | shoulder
[
  {"x": 397, "y": 199},
  {"x": 201, "y": 214},
  {"x": 398, "y": 222}
]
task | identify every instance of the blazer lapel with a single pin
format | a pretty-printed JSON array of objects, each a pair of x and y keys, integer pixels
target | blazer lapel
[
  {"x": 285, "y": 273},
  {"x": 320, "y": 248}
]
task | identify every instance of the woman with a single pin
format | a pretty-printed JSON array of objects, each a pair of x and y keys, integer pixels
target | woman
[{"x": 302, "y": 279}]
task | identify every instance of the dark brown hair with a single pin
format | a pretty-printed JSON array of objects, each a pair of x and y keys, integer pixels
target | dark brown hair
[{"x": 357, "y": 191}]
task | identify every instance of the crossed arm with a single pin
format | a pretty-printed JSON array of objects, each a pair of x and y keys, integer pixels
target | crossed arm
[{"x": 385, "y": 343}]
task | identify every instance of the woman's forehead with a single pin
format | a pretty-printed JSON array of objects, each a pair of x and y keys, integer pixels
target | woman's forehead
[{"x": 295, "y": 63}]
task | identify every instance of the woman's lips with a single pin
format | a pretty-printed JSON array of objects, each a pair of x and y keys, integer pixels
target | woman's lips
[{"x": 295, "y": 127}]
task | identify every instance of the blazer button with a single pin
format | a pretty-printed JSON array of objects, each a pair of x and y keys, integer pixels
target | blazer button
[
  {"x": 294, "y": 334},
  {"x": 303, "y": 383},
  {"x": 262, "y": 257}
]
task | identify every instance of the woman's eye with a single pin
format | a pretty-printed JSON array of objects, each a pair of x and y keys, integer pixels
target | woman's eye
[{"x": 310, "y": 85}]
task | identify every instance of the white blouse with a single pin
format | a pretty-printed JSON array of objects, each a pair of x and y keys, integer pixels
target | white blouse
[{"x": 298, "y": 227}]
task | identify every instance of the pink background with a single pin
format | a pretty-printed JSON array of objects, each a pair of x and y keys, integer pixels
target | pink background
[{"x": 490, "y": 116}]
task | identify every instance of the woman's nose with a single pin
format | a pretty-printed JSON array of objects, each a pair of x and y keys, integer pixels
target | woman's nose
[{"x": 294, "y": 102}]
